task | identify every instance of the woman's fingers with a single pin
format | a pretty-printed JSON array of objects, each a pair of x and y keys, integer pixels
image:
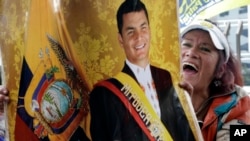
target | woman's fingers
[{"x": 187, "y": 87}]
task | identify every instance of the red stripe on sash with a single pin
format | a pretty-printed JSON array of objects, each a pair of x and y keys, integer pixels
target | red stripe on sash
[{"x": 128, "y": 105}]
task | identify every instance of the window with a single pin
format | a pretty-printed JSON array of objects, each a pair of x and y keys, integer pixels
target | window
[
  {"x": 243, "y": 10},
  {"x": 224, "y": 14}
]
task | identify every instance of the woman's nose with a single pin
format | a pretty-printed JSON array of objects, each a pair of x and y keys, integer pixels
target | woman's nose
[{"x": 191, "y": 52}]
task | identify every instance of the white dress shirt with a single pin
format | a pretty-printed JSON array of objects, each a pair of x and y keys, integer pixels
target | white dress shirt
[{"x": 144, "y": 77}]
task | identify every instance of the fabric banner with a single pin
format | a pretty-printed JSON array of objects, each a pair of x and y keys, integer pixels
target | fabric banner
[
  {"x": 53, "y": 95},
  {"x": 190, "y": 10},
  {"x": 55, "y": 50}
]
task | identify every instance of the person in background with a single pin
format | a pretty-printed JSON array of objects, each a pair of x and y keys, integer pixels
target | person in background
[
  {"x": 118, "y": 110},
  {"x": 4, "y": 92},
  {"x": 208, "y": 64}
]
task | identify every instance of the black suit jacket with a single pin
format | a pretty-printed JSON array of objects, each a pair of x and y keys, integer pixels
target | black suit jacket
[{"x": 111, "y": 120}]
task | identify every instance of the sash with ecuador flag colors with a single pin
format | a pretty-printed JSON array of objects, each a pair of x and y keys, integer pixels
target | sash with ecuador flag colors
[
  {"x": 53, "y": 96},
  {"x": 134, "y": 99}
]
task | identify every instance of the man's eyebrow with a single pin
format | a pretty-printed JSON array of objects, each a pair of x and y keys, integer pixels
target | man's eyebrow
[
  {"x": 145, "y": 23},
  {"x": 130, "y": 28}
]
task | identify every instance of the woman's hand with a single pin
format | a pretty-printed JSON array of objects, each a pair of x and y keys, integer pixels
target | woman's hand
[
  {"x": 4, "y": 97},
  {"x": 4, "y": 94},
  {"x": 187, "y": 87}
]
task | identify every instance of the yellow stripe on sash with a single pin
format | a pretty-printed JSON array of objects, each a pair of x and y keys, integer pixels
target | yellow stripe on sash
[{"x": 133, "y": 91}]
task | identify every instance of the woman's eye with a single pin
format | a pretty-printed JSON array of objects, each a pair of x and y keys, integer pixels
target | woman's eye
[
  {"x": 186, "y": 44},
  {"x": 204, "y": 48}
]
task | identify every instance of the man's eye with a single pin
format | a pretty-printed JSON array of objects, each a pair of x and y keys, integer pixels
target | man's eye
[
  {"x": 130, "y": 32},
  {"x": 144, "y": 28}
]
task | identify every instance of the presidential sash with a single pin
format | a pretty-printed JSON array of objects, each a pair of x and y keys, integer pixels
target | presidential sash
[{"x": 139, "y": 107}]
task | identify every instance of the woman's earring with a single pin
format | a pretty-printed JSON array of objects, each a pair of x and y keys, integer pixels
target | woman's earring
[{"x": 217, "y": 83}]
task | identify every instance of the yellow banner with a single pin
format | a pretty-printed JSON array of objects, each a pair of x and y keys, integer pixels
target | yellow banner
[
  {"x": 53, "y": 92},
  {"x": 190, "y": 10}
]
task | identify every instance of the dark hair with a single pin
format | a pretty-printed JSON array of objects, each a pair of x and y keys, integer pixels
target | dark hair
[
  {"x": 231, "y": 76},
  {"x": 126, "y": 7}
]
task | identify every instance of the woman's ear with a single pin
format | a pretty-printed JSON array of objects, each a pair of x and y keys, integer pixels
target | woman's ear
[{"x": 221, "y": 71}]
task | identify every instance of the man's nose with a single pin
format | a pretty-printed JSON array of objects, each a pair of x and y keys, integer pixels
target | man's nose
[{"x": 138, "y": 35}]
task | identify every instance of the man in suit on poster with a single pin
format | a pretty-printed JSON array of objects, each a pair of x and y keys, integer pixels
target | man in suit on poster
[{"x": 120, "y": 111}]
